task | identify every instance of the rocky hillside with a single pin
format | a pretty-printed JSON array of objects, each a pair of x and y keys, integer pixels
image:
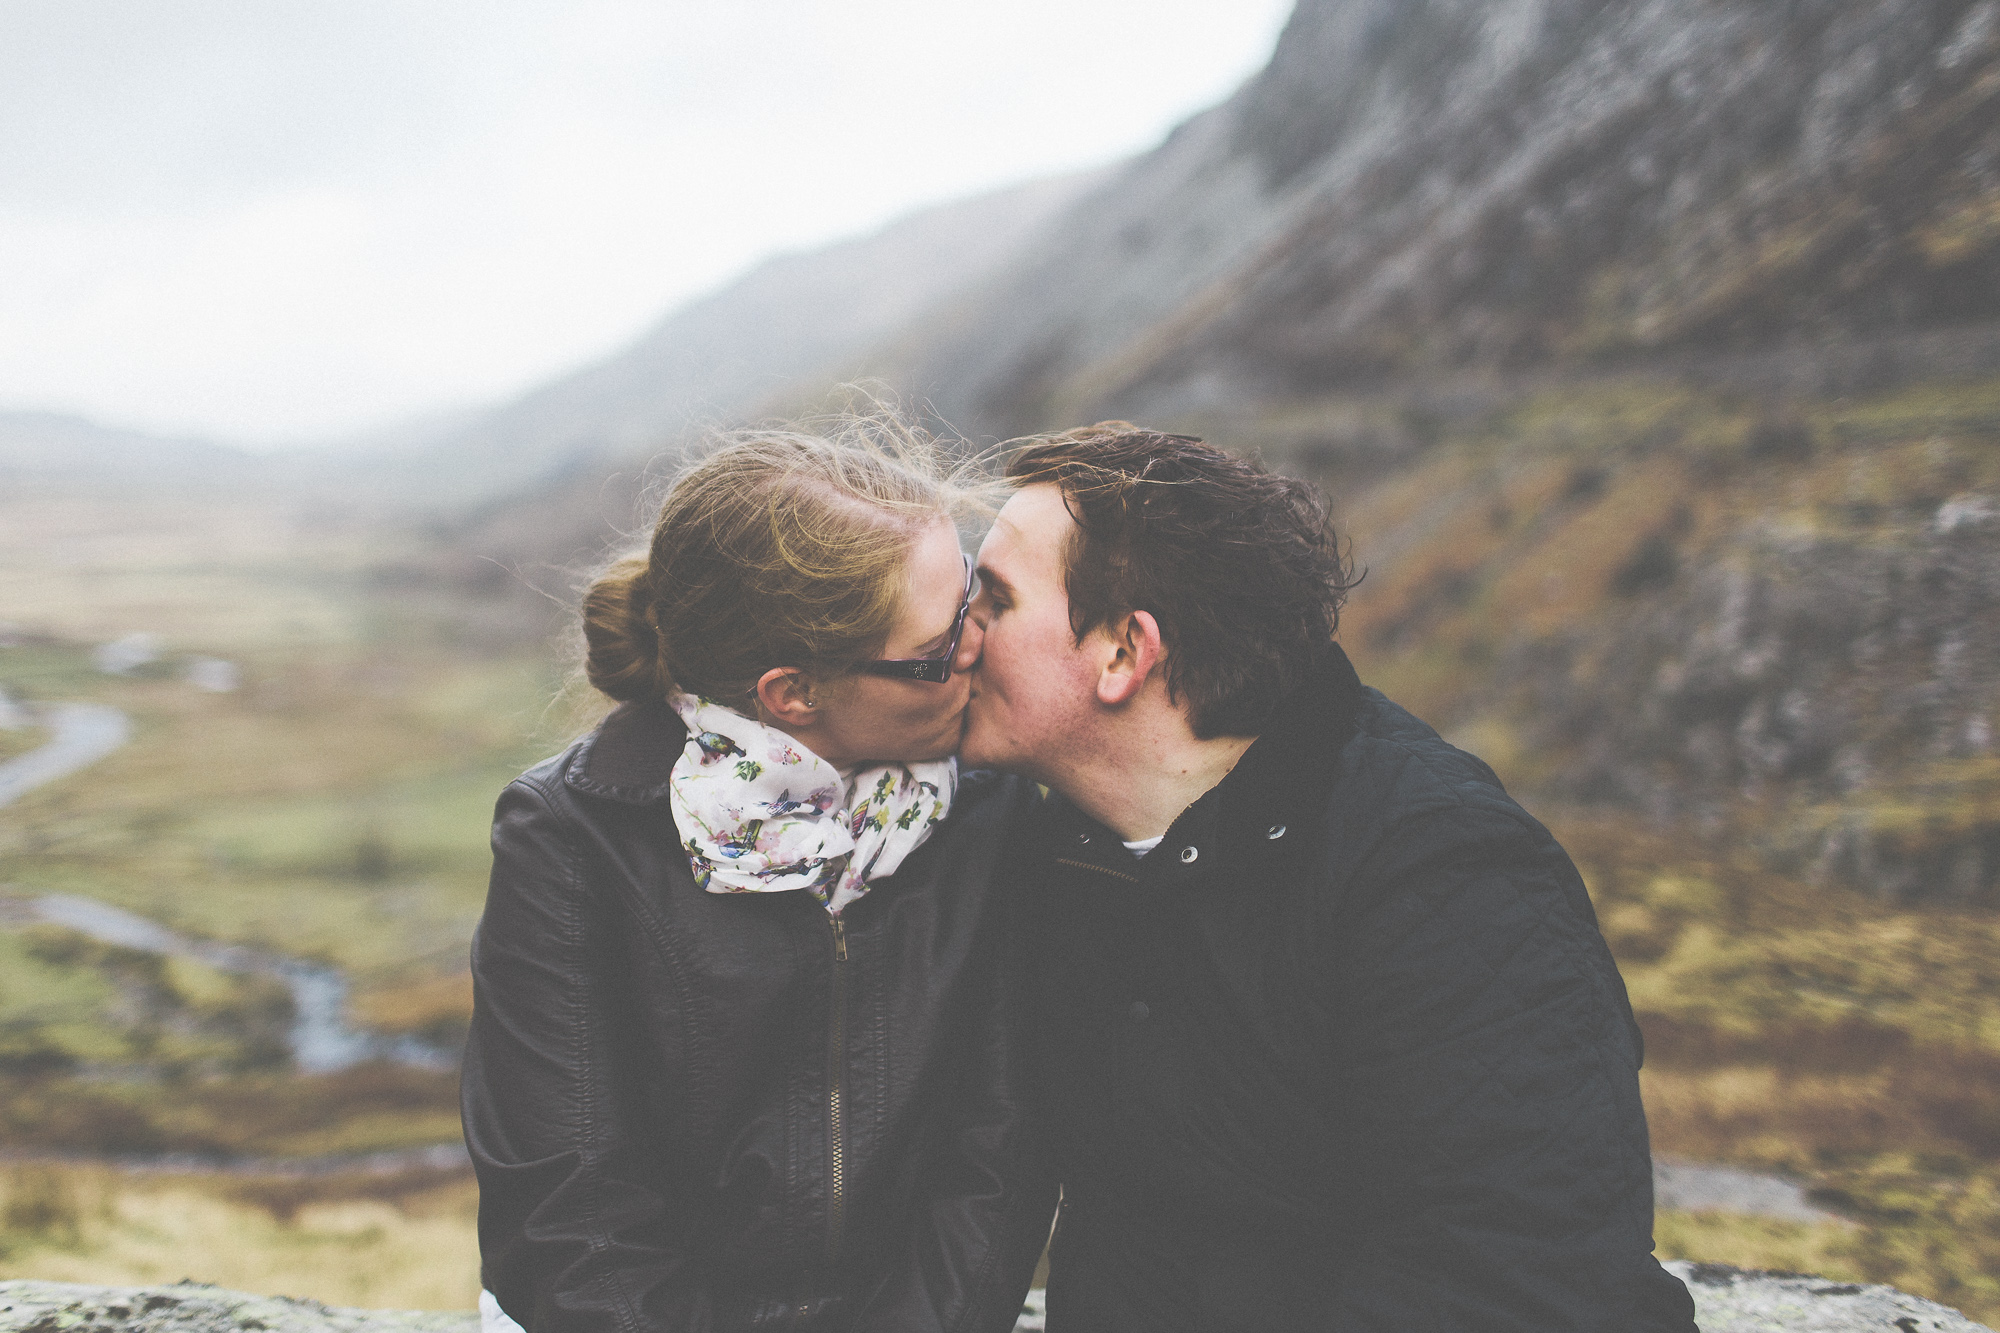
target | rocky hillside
[
  {"x": 1777, "y": 623},
  {"x": 1419, "y": 187}
]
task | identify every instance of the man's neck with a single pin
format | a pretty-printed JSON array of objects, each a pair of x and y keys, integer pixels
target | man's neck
[{"x": 1138, "y": 789}]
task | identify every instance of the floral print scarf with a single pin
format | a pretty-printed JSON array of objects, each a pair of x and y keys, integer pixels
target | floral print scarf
[{"x": 760, "y": 813}]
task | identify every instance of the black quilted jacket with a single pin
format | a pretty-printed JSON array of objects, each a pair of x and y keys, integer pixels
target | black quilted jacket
[
  {"x": 698, "y": 1113},
  {"x": 1344, "y": 1052}
]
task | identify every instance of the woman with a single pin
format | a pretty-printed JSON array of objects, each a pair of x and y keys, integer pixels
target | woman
[{"x": 744, "y": 1049}]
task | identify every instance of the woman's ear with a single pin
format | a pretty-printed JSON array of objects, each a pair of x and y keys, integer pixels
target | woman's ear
[
  {"x": 785, "y": 696},
  {"x": 1136, "y": 650}
]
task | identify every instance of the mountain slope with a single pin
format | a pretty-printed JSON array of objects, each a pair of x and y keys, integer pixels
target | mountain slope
[
  {"x": 1440, "y": 185},
  {"x": 795, "y": 320},
  {"x": 1783, "y": 629}
]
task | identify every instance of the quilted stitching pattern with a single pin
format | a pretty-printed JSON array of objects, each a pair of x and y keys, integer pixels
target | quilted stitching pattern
[{"x": 1455, "y": 1067}]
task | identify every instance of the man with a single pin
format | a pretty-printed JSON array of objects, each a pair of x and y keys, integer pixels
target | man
[{"x": 1331, "y": 1039}]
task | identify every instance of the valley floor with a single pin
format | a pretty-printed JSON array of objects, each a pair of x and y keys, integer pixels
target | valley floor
[{"x": 332, "y": 804}]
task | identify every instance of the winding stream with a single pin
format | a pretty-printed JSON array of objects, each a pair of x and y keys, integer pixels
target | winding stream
[
  {"x": 84, "y": 734},
  {"x": 321, "y": 1038}
]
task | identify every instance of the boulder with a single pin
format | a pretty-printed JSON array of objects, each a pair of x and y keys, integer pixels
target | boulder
[
  {"x": 192, "y": 1307},
  {"x": 1727, "y": 1300},
  {"x": 1730, "y": 1300}
]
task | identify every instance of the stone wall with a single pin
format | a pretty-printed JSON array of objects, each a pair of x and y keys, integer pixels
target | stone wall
[{"x": 1727, "y": 1300}]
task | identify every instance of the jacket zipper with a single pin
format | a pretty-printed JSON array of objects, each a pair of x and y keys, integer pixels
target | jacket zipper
[
  {"x": 836, "y": 1061},
  {"x": 1102, "y": 870}
]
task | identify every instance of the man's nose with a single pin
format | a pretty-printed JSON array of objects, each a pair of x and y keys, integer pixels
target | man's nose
[{"x": 971, "y": 643}]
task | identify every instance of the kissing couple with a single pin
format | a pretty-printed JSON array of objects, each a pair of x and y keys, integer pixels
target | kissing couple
[{"x": 910, "y": 901}]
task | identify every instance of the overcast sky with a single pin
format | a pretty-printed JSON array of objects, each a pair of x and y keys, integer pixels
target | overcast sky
[{"x": 282, "y": 220}]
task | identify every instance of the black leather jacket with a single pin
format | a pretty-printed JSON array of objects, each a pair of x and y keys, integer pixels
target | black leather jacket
[
  {"x": 1344, "y": 1052},
  {"x": 699, "y": 1111}
]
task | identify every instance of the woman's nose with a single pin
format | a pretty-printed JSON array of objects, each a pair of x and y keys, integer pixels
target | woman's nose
[{"x": 971, "y": 642}]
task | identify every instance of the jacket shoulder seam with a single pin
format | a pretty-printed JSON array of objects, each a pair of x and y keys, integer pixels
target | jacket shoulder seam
[{"x": 1506, "y": 808}]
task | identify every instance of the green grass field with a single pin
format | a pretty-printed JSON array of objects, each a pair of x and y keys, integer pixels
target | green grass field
[{"x": 334, "y": 808}]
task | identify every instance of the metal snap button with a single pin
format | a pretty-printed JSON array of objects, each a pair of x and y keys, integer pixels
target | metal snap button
[
  {"x": 1140, "y": 1011},
  {"x": 1083, "y": 837},
  {"x": 1275, "y": 832},
  {"x": 1188, "y": 854}
]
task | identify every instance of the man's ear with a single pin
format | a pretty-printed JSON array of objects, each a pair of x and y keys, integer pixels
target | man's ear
[
  {"x": 1136, "y": 651},
  {"x": 786, "y": 696}
]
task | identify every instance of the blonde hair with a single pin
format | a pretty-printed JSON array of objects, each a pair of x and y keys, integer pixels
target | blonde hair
[{"x": 780, "y": 548}]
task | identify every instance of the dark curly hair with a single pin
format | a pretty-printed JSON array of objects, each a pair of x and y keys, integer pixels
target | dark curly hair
[{"x": 1240, "y": 567}]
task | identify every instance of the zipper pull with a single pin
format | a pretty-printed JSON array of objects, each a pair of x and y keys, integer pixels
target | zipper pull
[{"x": 839, "y": 940}]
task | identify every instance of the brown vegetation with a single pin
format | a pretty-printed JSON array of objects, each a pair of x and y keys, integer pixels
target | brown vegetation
[
  {"x": 1847, "y": 1042},
  {"x": 364, "y": 1109},
  {"x": 403, "y": 1241}
]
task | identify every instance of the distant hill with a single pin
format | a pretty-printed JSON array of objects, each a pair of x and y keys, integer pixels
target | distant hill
[
  {"x": 782, "y": 332},
  {"x": 47, "y": 448}
]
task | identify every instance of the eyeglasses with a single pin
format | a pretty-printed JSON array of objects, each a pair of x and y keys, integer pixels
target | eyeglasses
[{"x": 936, "y": 668}]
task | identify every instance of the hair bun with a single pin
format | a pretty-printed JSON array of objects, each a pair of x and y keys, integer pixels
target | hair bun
[
  {"x": 622, "y": 656},
  {"x": 772, "y": 549}
]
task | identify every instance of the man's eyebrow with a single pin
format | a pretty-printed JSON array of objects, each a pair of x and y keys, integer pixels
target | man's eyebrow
[{"x": 992, "y": 580}]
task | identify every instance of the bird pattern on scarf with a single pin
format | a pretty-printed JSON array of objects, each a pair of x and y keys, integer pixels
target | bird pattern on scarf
[{"x": 781, "y": 818}]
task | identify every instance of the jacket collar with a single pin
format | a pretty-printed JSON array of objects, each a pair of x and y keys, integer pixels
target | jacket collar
[
  {"x": 1285, "y": 776},
  {"x": 1281, "y": 781},
  {"x": 631, "y": 755}
]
